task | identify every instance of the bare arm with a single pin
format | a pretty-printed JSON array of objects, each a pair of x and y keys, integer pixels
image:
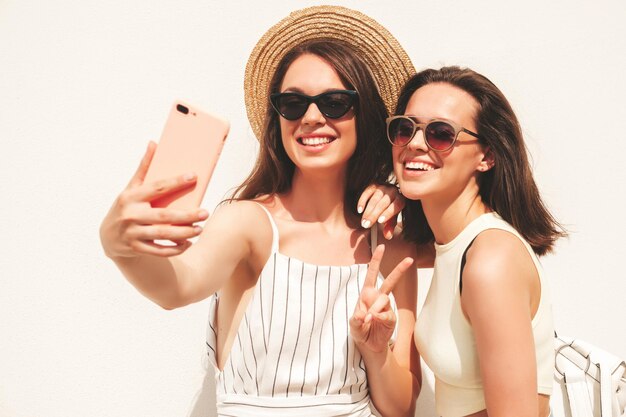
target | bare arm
[
  {"x": 499, "y": 289},
  {"x": 179, "y": 274},
  {"x": 394, "y": 374}
]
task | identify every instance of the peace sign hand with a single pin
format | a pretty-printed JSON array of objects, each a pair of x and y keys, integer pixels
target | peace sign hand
[{"x": 373, "y": 321}]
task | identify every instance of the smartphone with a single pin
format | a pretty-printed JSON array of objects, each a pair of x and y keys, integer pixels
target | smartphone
[{"x": 192, "y": 141}]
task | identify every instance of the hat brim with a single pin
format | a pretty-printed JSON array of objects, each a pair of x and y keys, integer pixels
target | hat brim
[{"x": 387, "y": 60}]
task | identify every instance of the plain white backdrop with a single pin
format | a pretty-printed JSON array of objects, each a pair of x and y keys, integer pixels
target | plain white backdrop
[{"x": 85, "y": 84}]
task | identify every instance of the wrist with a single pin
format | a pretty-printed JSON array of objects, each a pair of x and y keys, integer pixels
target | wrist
[{"x": 376, "y": 354}]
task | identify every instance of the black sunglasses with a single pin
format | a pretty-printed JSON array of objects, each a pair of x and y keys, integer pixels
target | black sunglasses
[
  {"x": 439, "y": 135},
  {"x": 332, "y": 104}
]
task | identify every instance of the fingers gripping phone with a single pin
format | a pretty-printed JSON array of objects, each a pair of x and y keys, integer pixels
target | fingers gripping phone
[{"x": 192, "y": 141}]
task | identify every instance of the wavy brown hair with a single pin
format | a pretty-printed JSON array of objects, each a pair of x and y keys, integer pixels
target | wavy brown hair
[
  {"x": 508, "y": 187},
  {"x": 371, "y": 161}
]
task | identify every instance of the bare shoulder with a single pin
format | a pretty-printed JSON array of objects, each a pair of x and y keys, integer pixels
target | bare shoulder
[
  {"x": 243, "y": 220},
  {"x": 237, "y": 235},
  {"x": 495, "y": 251},
  {"x": 243, "y": 210},
  {"x": 497, "y": 262}
]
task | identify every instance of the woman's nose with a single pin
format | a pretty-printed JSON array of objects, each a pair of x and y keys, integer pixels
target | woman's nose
[
  {"x": 418, "y": 142},
  {"x": 313, "y": 115}
]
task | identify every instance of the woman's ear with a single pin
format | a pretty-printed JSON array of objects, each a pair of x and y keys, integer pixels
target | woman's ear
[{"x": 488, "y": 161}]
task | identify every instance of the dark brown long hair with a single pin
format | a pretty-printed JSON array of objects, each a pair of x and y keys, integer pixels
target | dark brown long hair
[
  {"x": 371, "y": 161},
  {"x": 508, "y": 187}
]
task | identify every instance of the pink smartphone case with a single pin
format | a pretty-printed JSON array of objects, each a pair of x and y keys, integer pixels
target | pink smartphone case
[{"x": 190, "y": 142}]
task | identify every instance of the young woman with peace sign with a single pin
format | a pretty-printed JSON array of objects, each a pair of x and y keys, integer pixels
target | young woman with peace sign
[{"x": 285, "y": 263}]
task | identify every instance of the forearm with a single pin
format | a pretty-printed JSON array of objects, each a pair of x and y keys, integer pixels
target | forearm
[
  {"x": 157, "y": 278},
  {"x": 393, "y": 388}
]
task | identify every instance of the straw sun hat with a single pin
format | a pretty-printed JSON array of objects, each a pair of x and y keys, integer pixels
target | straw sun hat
[{"x": 383, "y": 54}]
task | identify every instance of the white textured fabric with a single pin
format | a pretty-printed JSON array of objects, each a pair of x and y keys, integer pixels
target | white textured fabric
[
  {"x": 588, "y": 381},
  {"x": 293, "y": 355},
  {"x": 445, "y": 338}
]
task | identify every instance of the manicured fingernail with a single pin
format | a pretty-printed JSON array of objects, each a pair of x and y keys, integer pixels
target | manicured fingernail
[
  {"x": 203, "y": 214},
  {"x": 382, "y": 219},
  {"x": 189, "y": 176},
  {"x": 197, "y": 229},
  {"x": 359, "y": 209},
  {"x": 366, "y": 224}
]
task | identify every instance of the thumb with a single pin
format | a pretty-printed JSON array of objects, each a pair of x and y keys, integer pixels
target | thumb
[{"x": 142, "y": 169}]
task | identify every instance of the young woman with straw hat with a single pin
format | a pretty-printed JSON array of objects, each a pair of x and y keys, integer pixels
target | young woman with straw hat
[{"x": 300, "y": 323}]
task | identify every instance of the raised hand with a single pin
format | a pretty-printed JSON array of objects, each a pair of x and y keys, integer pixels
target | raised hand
[
  {"x": 131, "y": 226},
  {"x": 381, "y": 203},
  {"x": 373, "y": 321}
]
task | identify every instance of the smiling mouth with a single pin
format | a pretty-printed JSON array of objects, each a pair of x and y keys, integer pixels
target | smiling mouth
[
  {"x": 315, "y": 141},
  {"x": 419, "y": 166}
]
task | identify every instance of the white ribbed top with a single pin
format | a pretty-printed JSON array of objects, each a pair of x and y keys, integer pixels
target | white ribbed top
[
  {"x": 293, "y": 354},
  {"x": 445, "y": 338}
]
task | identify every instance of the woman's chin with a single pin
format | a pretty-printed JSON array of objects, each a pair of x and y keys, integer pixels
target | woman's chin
[{"x": 411, "y": 193}]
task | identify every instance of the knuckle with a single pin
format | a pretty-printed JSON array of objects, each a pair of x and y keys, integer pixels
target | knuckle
[
  {"x": 160, "y": 232},
  {"x": 388, "y": 212},
  {"x": 127, "y": 218},
  {"x": 134, "y": 245},
  {"x": 124, "y": 198},
  {"x": 162, "y": 216},
  {"x": 160, "y": 185}
]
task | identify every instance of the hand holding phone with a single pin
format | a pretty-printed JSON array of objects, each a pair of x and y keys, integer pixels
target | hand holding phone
[
  {"x": 192, "y": 141},
  {"x": 137, "y": 223}
]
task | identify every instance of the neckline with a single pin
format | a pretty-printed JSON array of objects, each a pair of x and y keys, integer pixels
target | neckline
[
  {"x": 317, "y": 265},
  {"x": 467, "y": 229},
  {"x": 276, "y": 243}
]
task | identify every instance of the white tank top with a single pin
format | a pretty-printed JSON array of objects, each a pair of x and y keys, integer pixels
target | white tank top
[
  {"x": 445, "y": 338},
  {"x": 293, "y": 354}
]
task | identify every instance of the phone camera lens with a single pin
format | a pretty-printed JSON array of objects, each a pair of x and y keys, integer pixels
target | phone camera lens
[{"x": 182, "y": 109}]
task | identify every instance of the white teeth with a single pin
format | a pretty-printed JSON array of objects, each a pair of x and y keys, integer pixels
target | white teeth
[
  {"x": 419, "y": 165},
  {"x": 315, "y": 141}
]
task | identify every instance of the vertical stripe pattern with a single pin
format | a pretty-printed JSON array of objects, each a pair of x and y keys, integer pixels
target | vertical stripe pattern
[
  {"x": 307, "y": 349},
  {"x": 293, "y": 343}
]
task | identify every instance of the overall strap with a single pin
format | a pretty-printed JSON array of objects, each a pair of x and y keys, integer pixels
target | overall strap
[
  {"x": 374, "y": 237},
  {"x": 275, "y": 236}
]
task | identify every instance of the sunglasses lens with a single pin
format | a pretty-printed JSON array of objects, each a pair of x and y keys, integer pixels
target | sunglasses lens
[
  {"x": 290, "y": 106},
  {"x": 400, "y": 131},
  {"x": 335, "y": 105},
  {"x": 293, "y": 106},
  {"x": 440, "y": 135}
]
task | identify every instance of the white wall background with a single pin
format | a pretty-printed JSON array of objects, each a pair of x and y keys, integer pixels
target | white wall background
[{"x": 85, "y": 84}]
